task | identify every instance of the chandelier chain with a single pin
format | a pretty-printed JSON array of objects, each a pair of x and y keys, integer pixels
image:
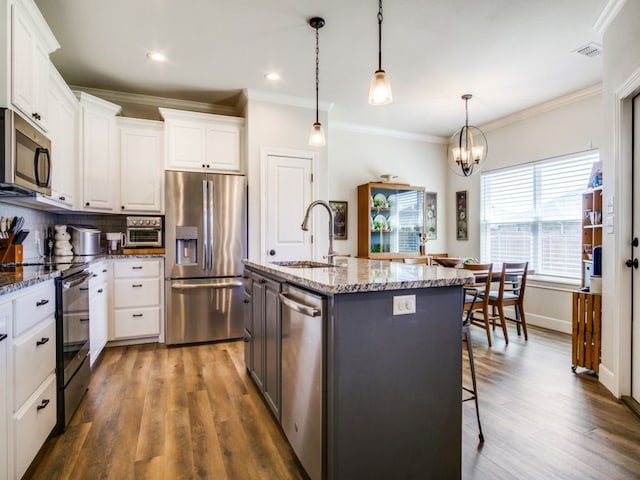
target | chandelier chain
[
  {"x": 317, "y": 70},
  {"x": 380, "y": 18}
]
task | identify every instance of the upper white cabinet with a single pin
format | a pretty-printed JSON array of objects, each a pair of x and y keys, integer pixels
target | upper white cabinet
[
  {"x": 31, "y": 44},
  {"x": 201, "y": 141},
  {"x": 141, "y": 165},
  {"x": 63, "y": 115},
  {"x": 99, "y": 154}
]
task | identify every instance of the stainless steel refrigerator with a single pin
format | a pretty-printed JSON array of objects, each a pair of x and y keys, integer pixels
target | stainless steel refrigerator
[{"x": 205, "y": 241}]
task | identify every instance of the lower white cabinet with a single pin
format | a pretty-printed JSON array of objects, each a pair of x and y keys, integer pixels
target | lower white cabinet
[
  {"x": 6, "y": 314},
  {"x": 32, "y": 360},
  {"x": 99, "y": 308},
  {"x": 137, "y": 299}
]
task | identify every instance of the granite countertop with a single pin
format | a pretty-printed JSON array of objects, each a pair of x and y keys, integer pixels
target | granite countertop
[
  {"x": 17, "y": 278},
  {"x": 351, "y": 275}
]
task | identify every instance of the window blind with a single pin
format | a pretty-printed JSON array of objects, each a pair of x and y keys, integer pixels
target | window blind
[{"x": 533, "y": 212}]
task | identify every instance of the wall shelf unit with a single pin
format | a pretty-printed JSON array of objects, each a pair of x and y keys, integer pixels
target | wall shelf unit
[{"x": 591, "y": 228}]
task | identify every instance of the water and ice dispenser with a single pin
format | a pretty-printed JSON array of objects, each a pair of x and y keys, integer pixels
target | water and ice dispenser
[{"x": 186, "y": 245}]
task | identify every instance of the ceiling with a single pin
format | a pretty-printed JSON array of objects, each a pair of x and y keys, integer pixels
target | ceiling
[{"x": 510, "y": 54}]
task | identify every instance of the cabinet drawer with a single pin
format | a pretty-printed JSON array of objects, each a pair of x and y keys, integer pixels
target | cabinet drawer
[
  {"x": 136, "y": 269},
  {"x": 139, "y": 322},
  {"x": 33, "y": 423},
  {"x": 32, "y": 308},
  {"x": 137, "y": 293},
  {"x": 100, "y": 273},
  {"x": 34, "y": 357}
]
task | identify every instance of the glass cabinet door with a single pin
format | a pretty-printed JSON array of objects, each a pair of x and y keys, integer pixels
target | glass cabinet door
[{"x": 396, "y": 220}]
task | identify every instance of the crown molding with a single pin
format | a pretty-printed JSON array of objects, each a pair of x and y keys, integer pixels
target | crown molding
[
  {"x": 607, "y": 15},
  {"x": 554, "y": 104},
  {"x": 282, "y": 99},
  {"x": 386, "y": 132},
  {"x": 153, "y": 101}
]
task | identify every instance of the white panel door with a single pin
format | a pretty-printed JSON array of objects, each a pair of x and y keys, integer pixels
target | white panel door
[
  {"x": 288, "y": 192},
  {"x": 5, "y": 319},
  {"x": 635, "y": 340}
]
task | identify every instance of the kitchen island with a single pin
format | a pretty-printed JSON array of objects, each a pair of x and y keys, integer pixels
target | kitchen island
[{"x": 383, "y": 398}]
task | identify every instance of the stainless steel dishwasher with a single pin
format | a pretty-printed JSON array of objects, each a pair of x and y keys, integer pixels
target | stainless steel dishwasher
[{"x": 302, "y": 366}]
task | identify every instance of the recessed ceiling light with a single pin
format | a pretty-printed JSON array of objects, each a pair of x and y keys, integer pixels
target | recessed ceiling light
[
  {"x": 272, "y": 76},
  {"x": 157, "y": 56}
]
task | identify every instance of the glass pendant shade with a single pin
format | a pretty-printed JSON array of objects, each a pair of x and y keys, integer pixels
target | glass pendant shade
[
  {"x": 380, "y": 89},
  {"x": 316, "y": 137}
]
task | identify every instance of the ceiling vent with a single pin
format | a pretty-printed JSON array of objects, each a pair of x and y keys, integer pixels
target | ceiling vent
[{"x": 590, "y": 50}]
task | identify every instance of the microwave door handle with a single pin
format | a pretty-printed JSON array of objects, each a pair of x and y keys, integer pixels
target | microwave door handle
[
  {"x": 205, "y": 226},
  {"x": 36, "y": 165}
]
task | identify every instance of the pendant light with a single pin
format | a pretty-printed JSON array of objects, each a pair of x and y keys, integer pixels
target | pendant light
[
  {"x": 468, "y": 147},
  {"x": 316, "y": 138},
  {"x": 380, "y": 87}
]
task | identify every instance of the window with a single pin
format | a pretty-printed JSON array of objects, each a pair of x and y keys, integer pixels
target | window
[{"x": 533, "y": 212}]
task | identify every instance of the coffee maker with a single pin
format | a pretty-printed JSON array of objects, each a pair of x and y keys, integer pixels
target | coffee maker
[{"x": 115, "y": 242}]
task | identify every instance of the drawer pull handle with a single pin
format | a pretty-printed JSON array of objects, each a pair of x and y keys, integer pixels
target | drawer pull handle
[
  {"x": 137, "y": 315},
  {"x": 45, "y": 402},
  {"x": 136, "y": 268},
  {"x": 42, "y": 341},
  {"x": 42, "y": 302},
  {"x": 100, "y": 290},
  {"x": 94, "y": 275},
  {"x": 136, "y": 285},
  {"x": 84, "y": 319},
  {"x": 104, "y": 270}
]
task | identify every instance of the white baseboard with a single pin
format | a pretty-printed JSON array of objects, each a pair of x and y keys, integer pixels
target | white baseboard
[
  {"x": 548, "y": 322},
  {"x": 608, "y": 379}
]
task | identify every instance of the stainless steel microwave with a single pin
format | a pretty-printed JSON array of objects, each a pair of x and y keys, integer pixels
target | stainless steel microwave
[{"x": 25, "y": 159}]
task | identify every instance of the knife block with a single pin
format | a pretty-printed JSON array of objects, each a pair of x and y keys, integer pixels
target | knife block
[{"x": 10, "y": 253}]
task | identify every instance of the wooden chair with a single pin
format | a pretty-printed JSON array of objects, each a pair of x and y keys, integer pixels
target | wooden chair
[
  {"x": 513, "y": 281},
  {"x": 431, "y": 256},
  {"x": 482, "y": 283},
  {"x": 416, "y": 260},
  {"x": 471, "y": 296}
]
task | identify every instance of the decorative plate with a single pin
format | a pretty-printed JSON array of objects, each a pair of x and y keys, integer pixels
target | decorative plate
[
  {"x": 379, "y": 200},
  {"x": 382, "y": 220}
]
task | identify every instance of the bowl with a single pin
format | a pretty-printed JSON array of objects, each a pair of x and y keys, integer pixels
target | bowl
[{"x": 447, "y": 261}]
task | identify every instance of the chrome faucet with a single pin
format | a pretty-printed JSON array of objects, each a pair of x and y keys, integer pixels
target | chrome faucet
[{"x": 305, "y": 227}]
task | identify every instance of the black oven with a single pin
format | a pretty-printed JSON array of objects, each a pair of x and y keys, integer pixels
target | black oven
[{"x": 72, "y": 333}]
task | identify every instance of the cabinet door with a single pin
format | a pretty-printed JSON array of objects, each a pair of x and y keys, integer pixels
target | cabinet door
[
  {"x": 257, "y": 371},
  {"x": 99, "y": 166},
  {"x": 222, "y": 147},
  {"x": 272, "y": 346},
  {"x": 41, "y": 85},
  {"x": 185, "y": 145},
  {"x": 141, "y": 166},
  {"x": 99, "y": 316},
  {"x": 23, "y": 61},
  {"x": 5, "y": 318}
]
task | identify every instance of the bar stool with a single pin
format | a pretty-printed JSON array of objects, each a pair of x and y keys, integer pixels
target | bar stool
[{"x": 471, "y": 294}]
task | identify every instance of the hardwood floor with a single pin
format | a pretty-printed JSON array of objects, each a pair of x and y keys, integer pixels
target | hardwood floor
[{"x": 179, "y": 413}]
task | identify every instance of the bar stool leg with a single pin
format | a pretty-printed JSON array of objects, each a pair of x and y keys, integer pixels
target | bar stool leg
[{"x": 466, "y": 331}]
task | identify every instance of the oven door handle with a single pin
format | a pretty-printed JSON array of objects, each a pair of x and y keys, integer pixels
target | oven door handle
[
  {"x": 218, "y": 285},
  {"x": 74, "y": 281}
]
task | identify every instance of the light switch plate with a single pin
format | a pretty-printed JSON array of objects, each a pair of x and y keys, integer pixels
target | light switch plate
[{"x": 404, "y": 304}]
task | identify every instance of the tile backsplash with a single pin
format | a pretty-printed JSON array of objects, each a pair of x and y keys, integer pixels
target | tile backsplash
[{"x": 37, "y": 222}]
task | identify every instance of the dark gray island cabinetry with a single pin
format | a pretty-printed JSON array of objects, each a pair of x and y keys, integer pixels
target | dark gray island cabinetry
[{"x": 389, "y": 379}]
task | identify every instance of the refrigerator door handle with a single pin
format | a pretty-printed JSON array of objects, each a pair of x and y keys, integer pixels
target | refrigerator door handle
[
  {"x": 219, "y": 285},
  {"x": 211, "y": 232},
  {"x": 205, "y": 226}
]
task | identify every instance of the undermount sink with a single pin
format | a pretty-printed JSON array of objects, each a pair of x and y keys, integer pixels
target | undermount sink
[{"x": 302, "y": 264}]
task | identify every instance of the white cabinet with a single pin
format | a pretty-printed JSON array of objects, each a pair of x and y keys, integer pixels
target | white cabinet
[
  {"x": 141, "y": 165},
  {"x": 99, "y": 308},
  {"x": 99, "y": 155},
  {"x": 31, "y": 43},
  {"x": 201, "y": 141},
  {"x": 5, "y": 392},
  {"x": 63, "y": 115},
  {"x": 138, "y": 299},
  {"x": 33, "y": 378}
]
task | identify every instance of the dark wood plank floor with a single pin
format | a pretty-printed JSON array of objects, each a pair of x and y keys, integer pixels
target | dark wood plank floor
[{"x": 179, "y": 413}]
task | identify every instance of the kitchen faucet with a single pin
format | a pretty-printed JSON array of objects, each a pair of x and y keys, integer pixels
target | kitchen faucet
[{"x": 305, "y": 227}]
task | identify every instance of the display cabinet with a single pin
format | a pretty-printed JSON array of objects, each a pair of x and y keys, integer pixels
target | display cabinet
[
  {"x": 591, "y": 227},
  {"x": 391, "y": 220}
]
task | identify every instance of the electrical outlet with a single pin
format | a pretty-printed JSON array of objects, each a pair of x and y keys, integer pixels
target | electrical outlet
[{"x": 404, "y": 304}]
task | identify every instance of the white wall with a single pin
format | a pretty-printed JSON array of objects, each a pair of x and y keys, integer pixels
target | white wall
[
  {"x": 621, "y": 80},
  {"x": 356, "y": 158},
  {"x": 278, "y": 126},
  {"x": 567, "y": 125}
]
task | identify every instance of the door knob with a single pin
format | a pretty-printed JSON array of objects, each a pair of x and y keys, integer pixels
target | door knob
[
  {"x": 272, "y": 252},
  {"x": 632, "y": 263}
]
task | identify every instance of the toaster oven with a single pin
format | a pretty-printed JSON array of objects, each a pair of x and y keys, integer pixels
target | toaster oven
[{"x": 144, "y": 232}]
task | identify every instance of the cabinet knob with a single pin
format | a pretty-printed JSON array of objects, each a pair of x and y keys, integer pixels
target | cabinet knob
[
  {"x": 87, "y": 204},
  {"x": 43, "y": 404},
  {"x": 203, "y": 165},
  {"x": 122, "y": 207},
  {"x": 62, "y": 198},
  {"x": 272, "y": 252}
]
